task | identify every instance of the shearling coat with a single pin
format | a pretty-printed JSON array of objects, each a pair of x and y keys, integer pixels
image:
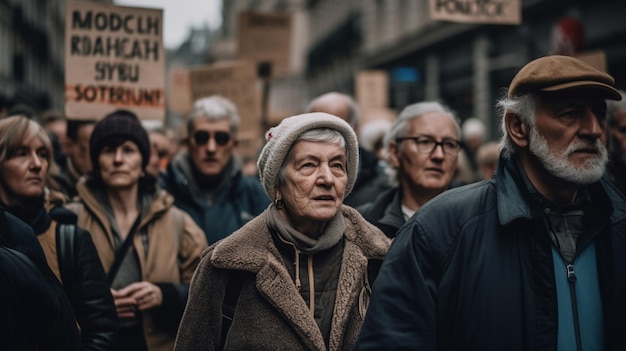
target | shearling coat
[
  {"x": 175, "y": 245},
  {"x": 270, "y": 313}
]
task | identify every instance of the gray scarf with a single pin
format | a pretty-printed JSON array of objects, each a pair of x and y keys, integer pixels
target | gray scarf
[{"x": 333, "y": 232}]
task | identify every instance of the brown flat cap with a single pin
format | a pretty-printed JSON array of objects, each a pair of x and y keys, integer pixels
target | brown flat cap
[{"x": 559, "y": 73}]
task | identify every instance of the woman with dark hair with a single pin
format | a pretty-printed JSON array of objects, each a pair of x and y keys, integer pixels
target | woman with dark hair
[
  {"x": 148, "y": 247},
  {"x": 25, "y": 161}
]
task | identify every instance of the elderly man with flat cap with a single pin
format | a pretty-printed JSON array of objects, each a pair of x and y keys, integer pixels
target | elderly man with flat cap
[{"x": 531, "y": 259}]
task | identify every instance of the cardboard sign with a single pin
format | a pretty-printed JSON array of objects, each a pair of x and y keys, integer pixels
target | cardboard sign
[
  {"x": 114, "y": 59},
  {"x": 266, "y": 37},
  {"x": 372, "y": 89},
  {"x": 236, "y": 81},
  {"x": 477, "y": 11}
]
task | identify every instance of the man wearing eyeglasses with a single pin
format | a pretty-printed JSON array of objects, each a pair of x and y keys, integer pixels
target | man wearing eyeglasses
[
  {"x": 530, "y": 259},
  {"x": 422, "y": 146},
  {"x": 206, "y": 180}
]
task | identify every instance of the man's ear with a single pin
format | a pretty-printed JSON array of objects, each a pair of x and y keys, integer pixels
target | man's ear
[
  {"x": 235, "y": 142},
  {"x": 517, "y": 129},
  {"x": 393, "y": 153}
]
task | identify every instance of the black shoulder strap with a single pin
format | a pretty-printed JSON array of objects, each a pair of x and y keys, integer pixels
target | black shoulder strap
[
  {"x": 65, "y": 236},
  {"x": 121, "y": 252},
  {"x": 231, "y": 296}
]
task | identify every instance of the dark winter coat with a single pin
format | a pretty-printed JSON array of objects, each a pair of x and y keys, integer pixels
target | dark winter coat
[
  {"x": 370, "y": 181},
  {"x": 240, "y": 199},
  {"x": 36, "y": 314},
  {"x": 85, "y": 282},
  {"x": 473, "y": 270},
  {"x": 270, "y": 312},
  {"x": 385, "y": 212}
]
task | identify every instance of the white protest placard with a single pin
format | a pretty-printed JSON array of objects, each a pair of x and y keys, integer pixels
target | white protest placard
[
  {"x": 114, "y": 59},
  {"x": 477, "y": 11},
  {"x": 265, "y": 37}
]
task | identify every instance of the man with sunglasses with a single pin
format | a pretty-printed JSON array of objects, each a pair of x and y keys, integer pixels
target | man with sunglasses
[
  {"x": 206, "y": 180},
  {"x": 422, "y": 146},
  {"x": 530, "y": 259}
]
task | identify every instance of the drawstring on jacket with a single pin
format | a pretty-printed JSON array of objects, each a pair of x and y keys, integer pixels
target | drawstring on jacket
[{"x": 297, "y": 275}]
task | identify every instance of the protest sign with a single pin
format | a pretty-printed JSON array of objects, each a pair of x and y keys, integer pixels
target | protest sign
[
  {"x": 234, "y": 80},
  {"x": 477, "y": 11},
  {"x": 372, "y": 89},
  {"x": 265, "y": 37},
  {"x": 114, "y": 59}
]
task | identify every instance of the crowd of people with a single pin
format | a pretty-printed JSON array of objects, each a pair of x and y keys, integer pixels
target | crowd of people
[{"x": 418, "y": 234}]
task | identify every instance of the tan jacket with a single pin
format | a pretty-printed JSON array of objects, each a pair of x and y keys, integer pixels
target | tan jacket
[
  {"x": 175, "y": 245},
  {"x": 270, "y": 313}
]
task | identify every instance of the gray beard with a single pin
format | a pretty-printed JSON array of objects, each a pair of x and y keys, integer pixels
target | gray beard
[{"x": 559, "y": 165}]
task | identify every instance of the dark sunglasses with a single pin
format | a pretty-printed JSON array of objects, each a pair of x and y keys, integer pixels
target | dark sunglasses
[{"x": 202, "y": 137}]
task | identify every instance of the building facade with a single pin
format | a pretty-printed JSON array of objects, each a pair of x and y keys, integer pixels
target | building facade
[{"x": 464, "y": 65}]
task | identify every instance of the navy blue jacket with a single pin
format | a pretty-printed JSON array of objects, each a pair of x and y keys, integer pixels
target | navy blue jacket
[{"x": 473, "y": 270}]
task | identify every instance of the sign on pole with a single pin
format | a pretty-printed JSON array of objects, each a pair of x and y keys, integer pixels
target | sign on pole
[
  {"x": 114, "y": 59},
  {"x": 265, "y": 37},
  {"x": 482, "y": 11}
]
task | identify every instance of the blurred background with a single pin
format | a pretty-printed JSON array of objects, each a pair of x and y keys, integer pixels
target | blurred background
[{"x": 386, "y": 53}]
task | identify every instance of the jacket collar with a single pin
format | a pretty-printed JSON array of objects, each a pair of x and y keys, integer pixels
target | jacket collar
[
  {"x": 517, "y": 198},
  {"x": 393, "y": 215}
]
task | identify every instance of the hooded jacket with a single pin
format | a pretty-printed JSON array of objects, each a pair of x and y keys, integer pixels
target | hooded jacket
[
  {"x": 175, "y": 244},
  {"x": 270, "y": 313},
  {"x": 237, "y": 200},
  {"x": 474, "y": 270}
]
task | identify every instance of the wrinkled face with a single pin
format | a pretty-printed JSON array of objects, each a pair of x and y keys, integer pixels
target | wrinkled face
[
  {"x": 569, "y": 137},
  {"x": 617, "y": 134},
  {"x": 78, "y": 150},
  {"x": 120, "y": 167},
  {"x": 430, "y": 171},
  {"x": 24, "y": 172},
  {"x": 211, "y": 155},
  {"x": 315, "y": 183}
]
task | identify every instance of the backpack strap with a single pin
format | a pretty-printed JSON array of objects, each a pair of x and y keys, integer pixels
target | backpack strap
[
  {"x": 66, "y": 251},
  {"x": 231, "y": 296}
]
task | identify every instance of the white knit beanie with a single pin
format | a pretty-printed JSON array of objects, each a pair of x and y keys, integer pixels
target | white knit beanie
[{"x": 281, "y": 138}]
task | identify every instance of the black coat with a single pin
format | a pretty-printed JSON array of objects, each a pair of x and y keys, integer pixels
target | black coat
[
  {"x": 85, "y": 285},
  {"x": 370, "y": 181},
  {"x": 385, "y": 212},
  {"x": 36, "y": 314},
  {"x": 473, "y": 270},
  {"x": 83, "y": 279}
]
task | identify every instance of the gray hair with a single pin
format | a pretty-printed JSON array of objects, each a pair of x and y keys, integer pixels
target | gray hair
[
  {"x": 353, "y": 109},
  {"x": 413, "y": 111},
  {"x": 524, "y": 107},
  {"x": 612, "y": 105},
  {"x": 320, "y": 135},
  {"x": 214, "y": 108}
]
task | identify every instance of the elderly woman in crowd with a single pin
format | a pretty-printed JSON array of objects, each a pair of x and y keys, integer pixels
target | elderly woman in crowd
[
  {"x": 148, "y": 247},
  {"x": 25, "y": 160},
  {"x": 297, "y": 276}
]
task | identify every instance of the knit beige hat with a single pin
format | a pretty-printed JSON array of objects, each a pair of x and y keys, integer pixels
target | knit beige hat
[{"x": 281, "y": 138}]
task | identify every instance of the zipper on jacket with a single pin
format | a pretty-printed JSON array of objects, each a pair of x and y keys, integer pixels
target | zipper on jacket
[{"x": 571, "y": 278}]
